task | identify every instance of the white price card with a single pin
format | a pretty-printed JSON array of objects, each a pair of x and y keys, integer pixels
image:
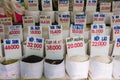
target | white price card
[
  {"x": 78, "y": 5},
  {"x": 47, "y": 5},
  {"x": 64, "y": 19},
  {"x": 6, "y": 22},
  {"x": 115, "y": 20},
  {"x": 77, "y": 30},
  {"x": 63, "y": 5},
  {"x": 54, "y": 49},
  {"x": 116, "y": 6},
  {"x": 28, "y": 21},
  {"x": 33, "y": 5},
  {"x": 105, "y": 6},
  {"x": 116, "y": 31},
  {"x": 98, "y": 29},
  {"x": 15, "y": 32},
  {"x": 45, "y": 20},
  {"x": 55, "y": 32},
  {"x": 35, "y": 31},
  {"x": 116, "y": 50},
  {"x": 99, "y": 18},
  {"x": 80, "y": 18},
  {"x": 2, "y": 35},
  {"x": 12, "y": 48},
  {"x": 91, "y": 5},
  {"x": 75, "y": 46},
  {"x": 35, "y": 46},
  {"x": 99, "y": 45}
]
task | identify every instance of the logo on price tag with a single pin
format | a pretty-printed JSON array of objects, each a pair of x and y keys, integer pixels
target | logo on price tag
[
  {"x": 115, "y": 20},
  {"x": 15, "y": 32},
  {"x": 78, "y": 5},
  {"x": 28, "y": 21},
  {"x": 45, "y": 20},
  {"x": 47, "y": 5},
  {"x": 12, "y": 49},
  {"x": 54, "y": 49},
  {"x": 55, "y": 32},
  {"x": 35, "y": 31},
  {"x": 91, "y": 5},
  {"x": 105, "y": 7},
  {"x": 99, "y": 45},
  {"x": 80, "y": 19},
  {"x": 2, "y": 36},
  {"x": 35, "y": 46},
  {"x": 99, "y": 18},
  {"x": 116, "y": 32},
  {"x": 33, "y": 4},
  {"x": 77, "y": 30},
  {"x": 63, "y": 5},
  {"x": 98, "y": 29},
  {"x": 75, "y": 44}
]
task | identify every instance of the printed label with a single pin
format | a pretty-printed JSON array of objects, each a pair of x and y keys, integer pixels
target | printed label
[
  {"x": 80, "y": 19},
  {"x": 116, "y": 6},
  {"x": 115, "y": 20},
  {"x": 47, "y": 5},
  {"x": 63, "y": 5},
  {"x": 32, "y": 5},
  {"x": 116, "y": 32},
  {"x": 78, "y": 5},
  {"x": 45, "y": 20},
  {"x": 91, "y": 5},
  {"x": 99, "y": 18},
  {"x": 105, "y": 7}
]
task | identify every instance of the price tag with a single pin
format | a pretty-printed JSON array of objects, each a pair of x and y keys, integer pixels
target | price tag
[
  {"x": 99, "y": 45},
  {"x": 77, "y": 30},
  {"x": 45, "y": 20},
  {"x": 15, "y": 32},
  {"x": 105, "y": 6},
  {"x": 75, "y": 46},
  {"x": 54, "y": 49},
  {"x": 35, "y": 31},
  {"x": 116, "y": 50},
  {"x": 47, "y": 5},
  {"x": 35, "y": 46},
  {"x": 6, "y": 22},
  {"x": 99, "y": 18},
  {"x": 80, "y": 19},
  {"x": 28, "y": 21},
  {"x": 33, "y": 5},
  {"x": 116, "y": 6},
  {"x": 64, "y": 19},
  {"x": 12, "y": 48},
  {"x": 63, "y": 5},
  {"x": 115, "y": 20},
  {"x": 116, "y": 31},
  {"x": 2, "y": 12},
  {"x": 91, "y": 5},
  {"x": 2, "y": 35},
  {"x": 78, "y": 5},
  {"x": 98, "y": 29},
  {"x": 55, "y": 32}
]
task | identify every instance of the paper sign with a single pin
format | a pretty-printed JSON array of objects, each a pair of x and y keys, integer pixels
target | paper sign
[
  {"x": 99, "y": 45},
  {"x": 98, "y": 29},
  {"x": 80, "y": 18},
  {"x": 63, "y": 5},
  {"x": 47, "y": 5},
  {"x": 35, "y": 46},
  {"x": 6, "y": 22},
  {"x": 116, "y": 50},
  {"x": 75, "y": 46},
  {"x": 64, "y": 19},
  {"x": 35, "y": 31},
  {"x": 28, "y": 21},
  {"x": 105, "y": 6},
  {"x": 12, "y": 48},
  {"x": 45, "y": 20},
  {"x": 54, "y": 49},
  {"x": 116, "y": 6},
  {"x": 99, "y": 18},
  {"x": 115, "y": 20},
  {"x": 2, "y": 35},
  {"x": 32, "y": 5},
  {"x": 77, "y": 30},
  {"x": 78, "y": 5},
  {"x": 55, "y": 32},
  {"x": 15, "y": 32},
  {"x": 116, "y": 31},
  {"x": 91, "y": 5}
]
